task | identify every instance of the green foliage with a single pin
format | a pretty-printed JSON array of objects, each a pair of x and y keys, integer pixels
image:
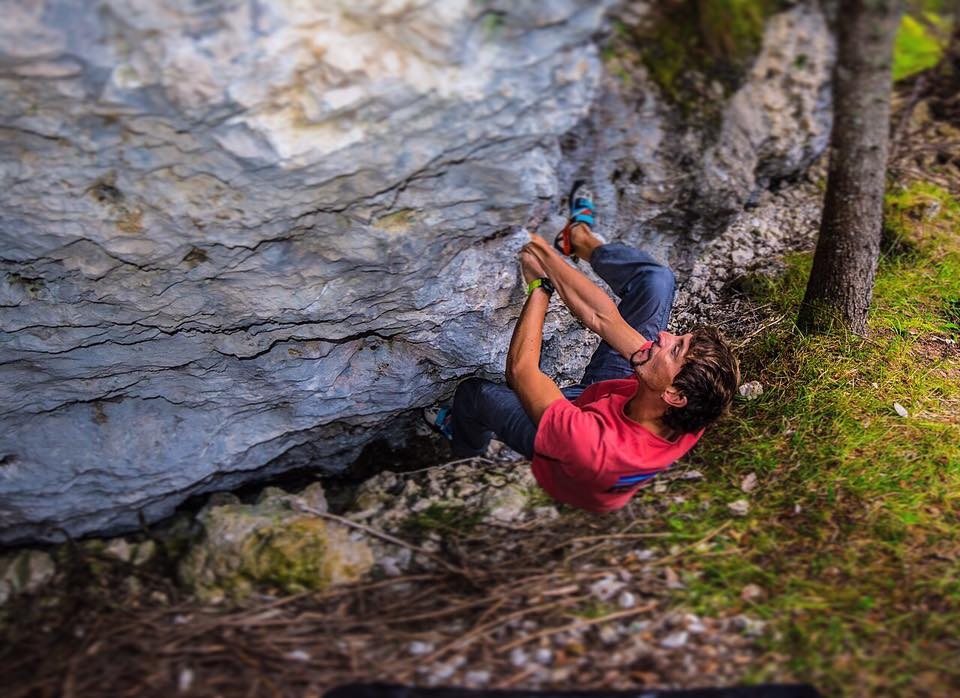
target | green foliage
[
  {"x": 919, "y": 44},
  {"x": 856, "y": 522}
]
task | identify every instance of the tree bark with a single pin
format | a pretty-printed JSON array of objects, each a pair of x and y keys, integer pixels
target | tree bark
[{"x": 840, "y": 287}]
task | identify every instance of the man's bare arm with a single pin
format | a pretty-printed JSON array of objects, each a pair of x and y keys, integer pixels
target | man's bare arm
[
  {"x": 534, "y": 388},
  {"x": 587, "y": 301}
]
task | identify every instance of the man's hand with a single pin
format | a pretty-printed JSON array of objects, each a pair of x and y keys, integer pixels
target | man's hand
[{"x": 530, "y": 266}]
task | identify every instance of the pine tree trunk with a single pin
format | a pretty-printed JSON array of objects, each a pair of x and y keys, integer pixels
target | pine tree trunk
[{"x": 840, "y": 287}]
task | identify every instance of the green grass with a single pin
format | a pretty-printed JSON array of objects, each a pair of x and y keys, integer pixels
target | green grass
[{"x": 854, "y": 530}]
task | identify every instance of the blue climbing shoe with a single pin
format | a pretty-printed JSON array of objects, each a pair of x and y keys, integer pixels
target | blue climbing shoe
[
  {"x": 582, "y": 210},
  {"x": 440, "y": 419}
]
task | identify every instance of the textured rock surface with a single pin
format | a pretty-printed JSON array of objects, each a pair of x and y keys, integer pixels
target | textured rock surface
[
  {"x": 24, "y": 572},
  {"x": 785, "y": 95},
  {"x": 241, "y": 237}
]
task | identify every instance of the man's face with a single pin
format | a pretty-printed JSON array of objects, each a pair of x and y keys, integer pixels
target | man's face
[{"x": 663, "y": 360}]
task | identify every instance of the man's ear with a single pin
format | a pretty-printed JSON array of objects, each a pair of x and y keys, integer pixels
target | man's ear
[{"x": 673, "y": 397}]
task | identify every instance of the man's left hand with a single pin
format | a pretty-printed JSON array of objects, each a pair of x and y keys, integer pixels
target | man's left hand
[{"x": 530, "y": 266}]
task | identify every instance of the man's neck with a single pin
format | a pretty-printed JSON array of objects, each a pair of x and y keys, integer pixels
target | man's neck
[{"x": 647, "y": 408}]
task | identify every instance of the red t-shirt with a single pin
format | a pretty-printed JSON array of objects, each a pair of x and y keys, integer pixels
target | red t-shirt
[{"x": 590, "y": 455}]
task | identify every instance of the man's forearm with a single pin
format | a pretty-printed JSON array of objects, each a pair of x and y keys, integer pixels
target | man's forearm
[{"x": 587, "y": 301}]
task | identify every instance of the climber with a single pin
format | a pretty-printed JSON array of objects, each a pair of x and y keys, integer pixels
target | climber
[{"x": 645, "y": 397}]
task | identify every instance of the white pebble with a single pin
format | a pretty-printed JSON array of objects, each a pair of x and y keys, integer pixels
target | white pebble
[
  {"x": 675, "y": 640},
  {"x": 609, "y": 635},
  {"x": 390, "y": 567},
  {"x": 900, "y": 410},
  {"x": 418, "y": 648},
  {"x": 739, "y": 508},
  {"x": 696, "y": 627},
  {"x": 518, "y": 657},
  {"x": 751, "y": 592},
  {"x": 477, "y": 677},
  {"x": 443, "y": 671},
  {"x": 543, "y": 656},
  {"x": 185, "y": 680},
  {"x": 626, "y": 600},
  {"x": 605, "y": 588}
]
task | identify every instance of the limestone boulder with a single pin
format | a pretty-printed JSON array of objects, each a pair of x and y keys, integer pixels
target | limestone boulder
[{"x": 785, "y": 96}]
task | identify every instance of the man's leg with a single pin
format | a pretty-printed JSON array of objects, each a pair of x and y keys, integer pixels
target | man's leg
[
  {"x": 645, "y": 287},
  {"x": 482, "y": 409}
]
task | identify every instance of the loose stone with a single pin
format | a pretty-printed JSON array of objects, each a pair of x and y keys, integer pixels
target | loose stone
[
  {"x": 543, "y": 656},
  {"x": 418, "y": 648},
  {"x": 518, "y": 657},
  {"x": 751, "y": 390},
  {"x": 674, "y": 640}
]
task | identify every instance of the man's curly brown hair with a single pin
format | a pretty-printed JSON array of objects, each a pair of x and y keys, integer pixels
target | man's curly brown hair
[{"x": 708, "y": 379}]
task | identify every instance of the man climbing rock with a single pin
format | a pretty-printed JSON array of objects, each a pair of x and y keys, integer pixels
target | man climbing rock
[{"x": 645, "y": 397}]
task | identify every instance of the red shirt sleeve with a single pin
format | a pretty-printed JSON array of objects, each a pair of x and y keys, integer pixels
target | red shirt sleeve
[{"x": 570, "y": 439}]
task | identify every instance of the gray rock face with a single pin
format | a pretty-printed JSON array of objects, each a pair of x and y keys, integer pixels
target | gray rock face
[{"x": 240, "y": 237}]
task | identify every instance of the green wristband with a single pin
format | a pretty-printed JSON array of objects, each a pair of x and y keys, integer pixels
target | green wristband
[{"x": 541, "y": 283}]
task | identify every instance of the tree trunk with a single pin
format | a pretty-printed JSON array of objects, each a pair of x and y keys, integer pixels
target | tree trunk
[{"x": 840, "y": 287}]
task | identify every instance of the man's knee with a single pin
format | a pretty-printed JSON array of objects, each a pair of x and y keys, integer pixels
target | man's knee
[
  {"x": 663, "y": 278},
  {"x": 655, "y": 280},
  {"x": 662, "y": 284},
  {"x": 469, "y": 392}
]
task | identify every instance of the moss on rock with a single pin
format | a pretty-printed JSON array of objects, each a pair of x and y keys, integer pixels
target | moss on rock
[
  {"x": 693, "y": 47},
  {"x": 272, "y": 544}
]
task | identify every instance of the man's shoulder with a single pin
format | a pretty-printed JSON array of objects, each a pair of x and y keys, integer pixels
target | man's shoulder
[{"x": 613, "y": 386}]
